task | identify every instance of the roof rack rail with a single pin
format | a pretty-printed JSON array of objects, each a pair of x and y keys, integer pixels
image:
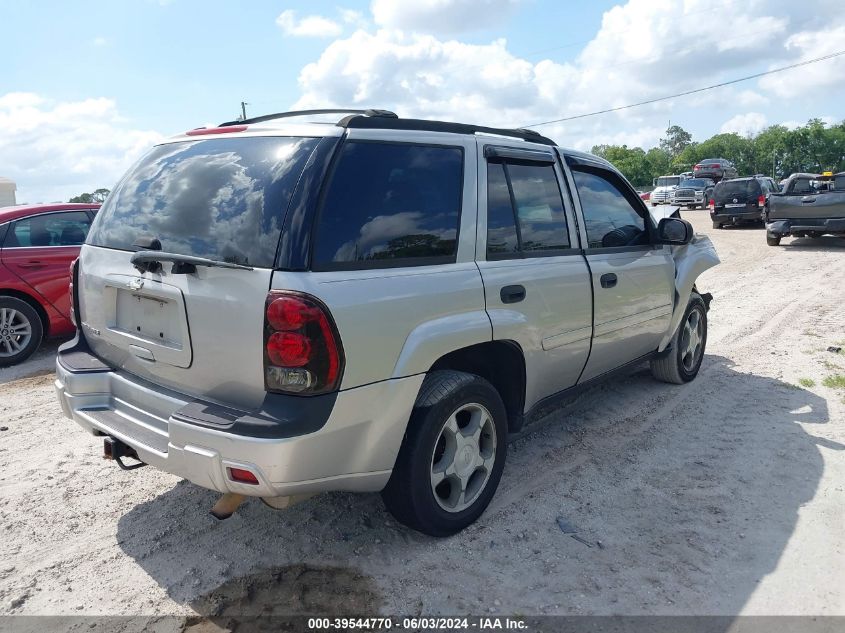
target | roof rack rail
[
  {"x": 283, "y": 115},
  {"x": 424, "y": 125}
]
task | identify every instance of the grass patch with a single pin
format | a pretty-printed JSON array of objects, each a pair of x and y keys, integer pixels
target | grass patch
[
  {"x": 811, "y": 333},
  {"x": 836, "y": 381},
  {"x": 807, "y": 382},
  {"x": 830, "y": 366}
]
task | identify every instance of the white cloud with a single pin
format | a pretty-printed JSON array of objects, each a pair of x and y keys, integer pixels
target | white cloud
[
  {"x": 99, "y": 41},
  {"x": 56, "y": 150},
  {"x": 814, "y": 77},
  {"x": 442, "y": 16},
  {"x": 308, "y": 26},
  {"x": 745, "y": 124},
  {"x": 353, "y": 18},
  {"x": 643, "y": 50},
  {"x": 750, "y": 98}
]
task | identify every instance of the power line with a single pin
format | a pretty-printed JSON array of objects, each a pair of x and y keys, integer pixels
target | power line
[{"x": 689, "y": 92}]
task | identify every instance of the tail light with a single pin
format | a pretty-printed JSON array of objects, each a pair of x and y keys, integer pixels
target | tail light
[
  {"x": 712, "y": 204},
  {"x": 302, "y": 350},
  {"x": 761, "y": 201},
  {"x": 697, "y": 167},
  {"x": 72, "y": 277}
]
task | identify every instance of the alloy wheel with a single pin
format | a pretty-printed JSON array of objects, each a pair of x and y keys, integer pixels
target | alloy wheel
[
  {"x": 15, "y": 332},
  {"x": 463, "y": 457},
  {"x": 692, "y": 339}
]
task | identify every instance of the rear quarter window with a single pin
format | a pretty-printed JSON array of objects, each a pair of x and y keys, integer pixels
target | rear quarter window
[
  {"x": 223, "y": 199},
  {"x": 390, "y": 204}
]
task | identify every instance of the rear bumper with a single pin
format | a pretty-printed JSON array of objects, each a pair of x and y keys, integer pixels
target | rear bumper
[
  {"x": 805, "y": 225},
  {"x": 743, "y": 214},
  {"x": 354, "y": 449}
]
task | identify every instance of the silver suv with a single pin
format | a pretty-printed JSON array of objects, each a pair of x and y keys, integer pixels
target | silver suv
[{"x": 276, "y": 308}]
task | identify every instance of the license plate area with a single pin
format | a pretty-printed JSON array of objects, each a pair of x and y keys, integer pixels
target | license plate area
[
  {"x": 152, "y": 319},
  {"x": 734, "y": 206},
  {"x": 147, "y": 319}
]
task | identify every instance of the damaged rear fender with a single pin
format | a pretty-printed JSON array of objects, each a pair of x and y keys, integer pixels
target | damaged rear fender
[{"x": 690, "y": 261}]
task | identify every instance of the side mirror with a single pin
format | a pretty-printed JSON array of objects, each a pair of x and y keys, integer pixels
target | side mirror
[{"x": 674, "y": 231}]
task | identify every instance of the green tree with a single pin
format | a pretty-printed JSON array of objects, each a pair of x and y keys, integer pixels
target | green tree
[
  {"x": 630, "y": 161},
  {"x": 677, "y": 139},
  {"x": 659, "y": 162},
  {"x": 98, "y": 196},
  {"x": 814, "y": 147}
]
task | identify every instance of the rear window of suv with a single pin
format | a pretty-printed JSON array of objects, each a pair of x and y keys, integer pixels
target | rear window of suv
[
  {"x": 223, "y": 199},
  {"x": 390, "y": 204},
  {"x": 740, "y": 189}
]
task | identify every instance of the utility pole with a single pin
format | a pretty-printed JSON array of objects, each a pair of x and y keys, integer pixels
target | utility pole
[
  {"x": 244, "y": 104},
  {"x": 774, "y": 153}
]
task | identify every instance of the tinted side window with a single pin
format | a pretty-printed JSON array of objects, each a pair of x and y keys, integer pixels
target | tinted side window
[
  {"x": 391, "y": 201},
  {"x": 501, "y": 223},
  {"x": 801, "y": 185},
  {"x": 539, "y": 210},
  {"x": 539, "y": 207},
  {"x": 610, "y": 219},
  {"x": 54, "y": 229}
]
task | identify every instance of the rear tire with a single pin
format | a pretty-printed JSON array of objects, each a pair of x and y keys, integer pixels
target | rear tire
[
  {"x": 455, "y": 446},
  {"x": 21, "y": 331},
  {"x": 717, "y": 225},
  {"x": 688, "y": 344},
  {"x": 772, "y": 240}
]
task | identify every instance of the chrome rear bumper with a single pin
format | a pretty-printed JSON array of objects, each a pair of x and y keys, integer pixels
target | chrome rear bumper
[{"x": 354, "y": 450}]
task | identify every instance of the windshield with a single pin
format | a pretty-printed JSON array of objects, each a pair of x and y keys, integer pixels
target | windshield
[
  {"x": 222, "y": 199},
  {"x": 668, "y": 181},
  {"x": 695, "y": 182}
]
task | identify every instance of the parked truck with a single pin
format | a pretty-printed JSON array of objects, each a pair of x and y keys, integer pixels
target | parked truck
[
  {"x": 664, "y": 189},
  {"x": 810, "y": 205}
]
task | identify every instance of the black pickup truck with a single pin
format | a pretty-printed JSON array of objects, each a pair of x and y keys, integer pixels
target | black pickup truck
[{"x": 810, "y": 205}]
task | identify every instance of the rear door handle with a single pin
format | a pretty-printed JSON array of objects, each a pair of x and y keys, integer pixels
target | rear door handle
[
  {"x": 608, "y": 280},
  {"x": 807, "y": 200},
  {"x": 32, "y": 264},
  {"x": 512, "y": 294}
]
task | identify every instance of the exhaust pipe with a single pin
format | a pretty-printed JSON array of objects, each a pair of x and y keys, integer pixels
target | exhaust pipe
[{"x": 226, "y": 505}]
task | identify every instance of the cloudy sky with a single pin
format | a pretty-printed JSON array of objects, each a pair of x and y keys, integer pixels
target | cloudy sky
[{"x": 86, "y": 86}]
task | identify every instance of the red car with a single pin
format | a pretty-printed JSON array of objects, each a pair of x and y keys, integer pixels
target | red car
[{"x": 37, "y": 245}]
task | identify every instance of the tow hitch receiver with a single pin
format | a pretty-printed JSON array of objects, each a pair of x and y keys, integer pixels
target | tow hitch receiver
[{"x": 117, "y": 450}]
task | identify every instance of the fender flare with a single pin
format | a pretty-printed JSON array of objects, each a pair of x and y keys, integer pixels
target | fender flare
[
  {"x": 433, "y": 339},
  {"x": 690, "y": 261}
]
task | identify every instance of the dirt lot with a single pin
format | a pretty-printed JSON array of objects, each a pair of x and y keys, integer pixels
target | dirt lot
[{"x": 723, "y": 496}]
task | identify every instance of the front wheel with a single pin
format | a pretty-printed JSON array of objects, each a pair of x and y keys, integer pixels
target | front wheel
[
  {"x": 683, "y": 361},
  {"x": 452, "y": 456},
  {"x": 772, "y": 240},
  {"x": 20, "y": 331}
]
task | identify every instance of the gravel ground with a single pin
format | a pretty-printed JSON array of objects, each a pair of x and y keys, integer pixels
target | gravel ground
[{"x": 724, "y": 496}]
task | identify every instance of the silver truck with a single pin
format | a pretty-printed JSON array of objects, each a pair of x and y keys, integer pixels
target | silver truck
[
  {"x": 275, "y": 308},
  {"x": 809, "y": 205}
]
